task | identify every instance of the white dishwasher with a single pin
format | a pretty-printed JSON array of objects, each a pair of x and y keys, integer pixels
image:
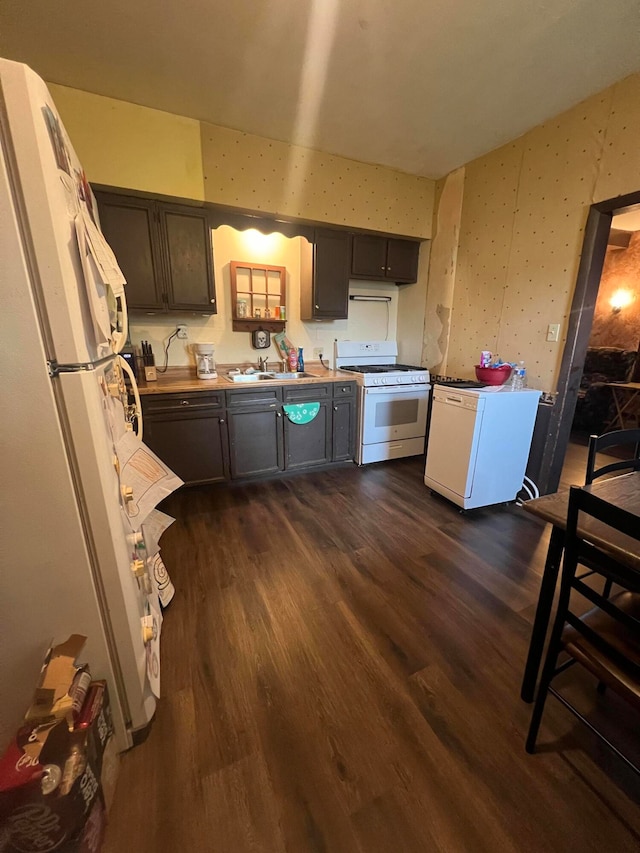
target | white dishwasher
[{"x": 478, "y": 443}]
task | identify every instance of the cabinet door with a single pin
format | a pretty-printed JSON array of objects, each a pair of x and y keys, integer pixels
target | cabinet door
[
  {"x": 402, "y": 260},
  {"x": 255, "y": 442},
  {"x": 344, "y": 429},
  {"x": 307, "y": 445},
  {"x": 189, "y": 259},
  {"x": 130, "y": 228},
  {"x": 330, "y": 300},
  {"x": 369, "y": 256},
  {"x": 193, "y": 444}
]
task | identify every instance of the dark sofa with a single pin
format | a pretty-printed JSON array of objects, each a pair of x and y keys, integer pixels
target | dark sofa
[{"x": 594, "y": 408}]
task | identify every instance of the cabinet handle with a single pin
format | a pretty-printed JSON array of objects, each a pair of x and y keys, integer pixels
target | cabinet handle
[
  {"x": 335, "y": 408},
  {"x": 279, "y": 414},
  {"x": 221, "y": 421},
  {"x": 382, "y": 268},
  {"x": 213, "y": 300},
  {"x": 184, "y": 402},
  {"x": 388, "y": 269},
  {"x": 318, "y": 307}
]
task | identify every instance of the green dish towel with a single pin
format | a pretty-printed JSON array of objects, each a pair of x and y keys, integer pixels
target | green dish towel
[{"x": 301, "y": 413}]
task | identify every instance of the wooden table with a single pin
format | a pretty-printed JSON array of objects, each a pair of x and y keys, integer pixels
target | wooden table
[
  {"x": 626, "y": 397},
  {"x": 622, "y": 491}
]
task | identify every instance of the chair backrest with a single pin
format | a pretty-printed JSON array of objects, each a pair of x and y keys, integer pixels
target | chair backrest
[
  {"x": 580, "y": 551},
  {"x": 620, "y": 437}
]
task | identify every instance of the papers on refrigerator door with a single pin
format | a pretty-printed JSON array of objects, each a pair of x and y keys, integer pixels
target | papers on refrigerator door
[
  {"x": 154, "y": 526},
  {"x": 103, "y": 278},
  {"x": 151, "y": 630},
  {"x": 160, "y": 579},
  {"x": 144, "y": 479},
  {"x": 152, "y": 529}
]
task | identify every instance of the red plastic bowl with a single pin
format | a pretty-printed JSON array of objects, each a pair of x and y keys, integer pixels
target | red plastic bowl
[{"x": 493, "y": 375}]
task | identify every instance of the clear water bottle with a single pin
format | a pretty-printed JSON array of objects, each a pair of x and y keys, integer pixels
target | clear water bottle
[{"x": 519, "y": 378}]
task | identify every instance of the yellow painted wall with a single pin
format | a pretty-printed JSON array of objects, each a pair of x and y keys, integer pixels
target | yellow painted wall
[
  {"x": 125, "y": 145},
  {"x": 524, "y": 210}
]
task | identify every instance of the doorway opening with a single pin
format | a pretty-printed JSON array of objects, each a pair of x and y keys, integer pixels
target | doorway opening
[{"x": 581, "y": 324}]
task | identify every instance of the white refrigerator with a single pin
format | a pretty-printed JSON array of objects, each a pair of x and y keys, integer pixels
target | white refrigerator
[{"x": 71, "y": 521}]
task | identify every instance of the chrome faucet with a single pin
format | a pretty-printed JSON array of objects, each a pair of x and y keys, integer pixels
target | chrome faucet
[{"x": 263, "y": 364}]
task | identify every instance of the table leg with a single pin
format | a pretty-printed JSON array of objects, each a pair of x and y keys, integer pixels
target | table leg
[
  {"x": 543, "y": 612},
  {"x": 617, "y": 422}
]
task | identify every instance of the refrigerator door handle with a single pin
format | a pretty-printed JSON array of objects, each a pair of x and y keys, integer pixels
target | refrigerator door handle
[{"x": 136, "y": 394}]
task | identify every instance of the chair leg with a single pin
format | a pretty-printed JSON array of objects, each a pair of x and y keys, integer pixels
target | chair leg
[
  {"x": 543, "y": 614},
  {"x": 550, "y": 663},
  {"x": 541, "y": 698}
]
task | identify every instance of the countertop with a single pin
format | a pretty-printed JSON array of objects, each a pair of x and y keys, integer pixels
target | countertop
[{"x": 179, "y": 379}]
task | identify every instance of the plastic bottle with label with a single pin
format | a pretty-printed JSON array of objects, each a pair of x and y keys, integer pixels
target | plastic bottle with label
[
  {"x": 519, "y": 378},
  {"x": 300, "y": 360}
]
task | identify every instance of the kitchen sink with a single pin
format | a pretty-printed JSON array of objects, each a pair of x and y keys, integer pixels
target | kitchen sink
[
  {"x": 249, "y": 377},
  {"x": 295, "y": 375},
  {"x": 260, "y": 377}
]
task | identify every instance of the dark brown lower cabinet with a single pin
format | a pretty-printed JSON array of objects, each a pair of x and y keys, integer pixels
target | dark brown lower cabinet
[
  {"x": 308, "y": 445},
  {"x": 255, "y": 441},
  {"x": 204, "y": 442},
  {"x": 344, "y": 429},
  {"x": 194, "y": 444}
]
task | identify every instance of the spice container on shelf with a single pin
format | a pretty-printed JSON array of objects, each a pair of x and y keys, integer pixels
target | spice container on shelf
[{"x": 241, "y": 309}]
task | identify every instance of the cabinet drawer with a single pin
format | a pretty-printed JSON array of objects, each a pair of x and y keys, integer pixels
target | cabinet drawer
[
  {"x": 267, "y": 397},
  {"x": 306, "y": 393},
  {"x": 152, "y": 403},
  {"x": 344, "y": 389}
]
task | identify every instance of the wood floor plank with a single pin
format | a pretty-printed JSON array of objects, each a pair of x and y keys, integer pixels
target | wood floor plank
[{"x": 341, "y": 669}]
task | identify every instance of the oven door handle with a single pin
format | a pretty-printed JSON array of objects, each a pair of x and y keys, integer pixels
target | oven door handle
[{"x": 398, "y": 389}]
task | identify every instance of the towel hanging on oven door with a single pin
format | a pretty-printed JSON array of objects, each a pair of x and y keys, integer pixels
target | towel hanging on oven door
[{"x": 301, "y": 413}]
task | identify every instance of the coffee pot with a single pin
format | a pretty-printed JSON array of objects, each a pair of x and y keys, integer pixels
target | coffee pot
[{"x": 205, "y": 362}]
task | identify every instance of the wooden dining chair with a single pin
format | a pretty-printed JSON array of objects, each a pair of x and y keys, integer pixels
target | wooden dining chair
[
  {"x": 606, "y": 640},
  {"x": 617, "y": 438}
]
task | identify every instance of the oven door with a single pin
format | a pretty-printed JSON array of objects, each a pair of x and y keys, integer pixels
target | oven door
[{"x": 393, "y": 413}]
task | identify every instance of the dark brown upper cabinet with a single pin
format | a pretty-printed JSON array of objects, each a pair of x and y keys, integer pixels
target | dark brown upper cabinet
[
  {"x": 384, "y": 258},
  {"x": 164, "y": 250},
  {"x": 324, "y": 295}
]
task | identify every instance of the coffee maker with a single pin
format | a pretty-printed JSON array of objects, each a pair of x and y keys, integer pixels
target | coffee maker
[{"x": 205, "y": 362}]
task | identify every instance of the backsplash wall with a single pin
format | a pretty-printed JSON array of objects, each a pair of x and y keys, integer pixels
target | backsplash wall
[{"x": 373, "y": 320}]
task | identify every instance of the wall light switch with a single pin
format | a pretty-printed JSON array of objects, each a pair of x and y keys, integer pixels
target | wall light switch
[{"x": 553, "y": 332}]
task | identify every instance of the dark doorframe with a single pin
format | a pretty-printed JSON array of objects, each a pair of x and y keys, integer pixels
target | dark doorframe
[{"x": 594, "y": 249}]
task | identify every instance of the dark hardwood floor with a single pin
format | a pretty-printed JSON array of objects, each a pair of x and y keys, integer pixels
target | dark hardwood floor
[{"x": 341, "y": 673}]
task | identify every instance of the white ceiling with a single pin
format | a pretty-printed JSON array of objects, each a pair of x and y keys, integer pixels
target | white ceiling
[{"x": 420, "y": 85}]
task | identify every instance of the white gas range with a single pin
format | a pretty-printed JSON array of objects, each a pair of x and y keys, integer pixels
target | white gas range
[{"x": 393, "y": 400}]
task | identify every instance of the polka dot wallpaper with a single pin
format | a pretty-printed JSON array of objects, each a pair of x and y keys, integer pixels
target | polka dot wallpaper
[
  {"x": 524, "y": 210},
  {"x": 261, "y": 174}
]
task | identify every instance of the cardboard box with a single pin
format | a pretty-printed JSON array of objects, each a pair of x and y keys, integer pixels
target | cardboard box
[{"x": 50, "y": 776}]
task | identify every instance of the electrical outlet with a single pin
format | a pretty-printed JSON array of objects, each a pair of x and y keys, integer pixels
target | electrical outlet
[
  {"x": 317, "y": 352},
  {"x": 182, "y": 332},
  {"x": 553, "y": 332}
]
